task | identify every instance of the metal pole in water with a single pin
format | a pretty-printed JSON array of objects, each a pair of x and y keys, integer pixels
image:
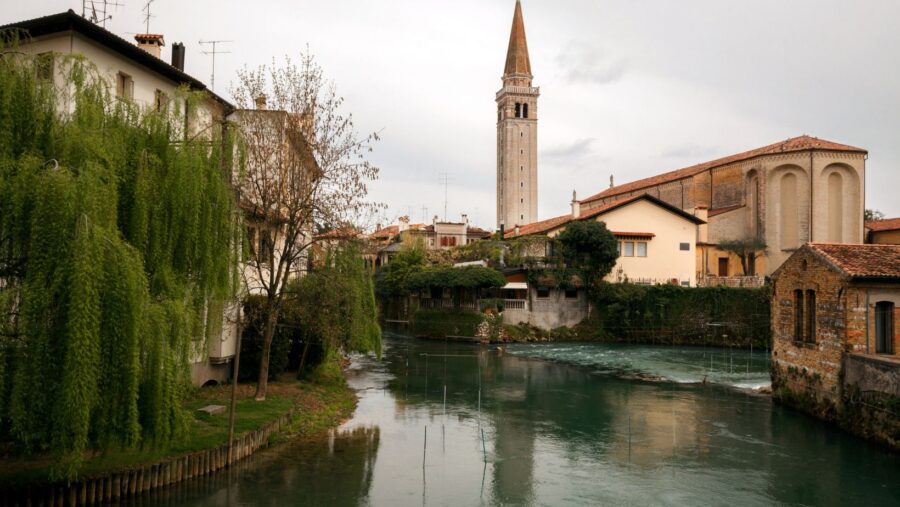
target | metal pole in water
[
  {"x": 483, "y": 447},
  {"x": 424, "y": 447}
]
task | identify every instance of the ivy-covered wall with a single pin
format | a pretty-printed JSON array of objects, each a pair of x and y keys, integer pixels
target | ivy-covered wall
[{"x": 714, "y": 316}]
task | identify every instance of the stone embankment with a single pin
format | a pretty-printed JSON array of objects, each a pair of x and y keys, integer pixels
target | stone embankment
[{"x": 117, "y": 486}]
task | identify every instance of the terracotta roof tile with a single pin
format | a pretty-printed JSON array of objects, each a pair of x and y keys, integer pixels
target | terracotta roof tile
[
  {"x": 862, "y": 261},
  {"x": 539, "y": 227},
  {"x": 552, "y": 223},
  {"x": 887, "y": 224},
  {"x": 800, "y": 143}
]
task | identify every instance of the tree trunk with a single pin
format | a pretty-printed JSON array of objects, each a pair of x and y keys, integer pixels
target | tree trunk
[
  {"x": 269, "y": 333},
  {"x": 303, "y": 358}
]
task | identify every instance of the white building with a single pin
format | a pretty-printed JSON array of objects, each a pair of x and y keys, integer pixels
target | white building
[
  {"x": 657, "y": 241},
  {"x": 138, "y": 73}
]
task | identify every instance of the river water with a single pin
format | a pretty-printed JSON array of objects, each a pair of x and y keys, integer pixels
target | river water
[{"x": 453, "y": 424}]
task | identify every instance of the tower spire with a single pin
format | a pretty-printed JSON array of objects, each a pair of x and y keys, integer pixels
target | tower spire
[{"x": 517, "y": 61}]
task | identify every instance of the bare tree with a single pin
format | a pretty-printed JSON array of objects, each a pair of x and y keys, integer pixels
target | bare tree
[
  {"x": 746, "y": 249},
  {"x": 304, "y": 171}
]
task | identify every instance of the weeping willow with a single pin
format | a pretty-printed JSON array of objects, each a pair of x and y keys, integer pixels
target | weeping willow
[
  {"x": 113, "y": 239},
  {"x": 337, "y": 303}
]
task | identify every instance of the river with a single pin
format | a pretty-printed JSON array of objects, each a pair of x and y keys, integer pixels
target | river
[{"x": 559, "y": 424}]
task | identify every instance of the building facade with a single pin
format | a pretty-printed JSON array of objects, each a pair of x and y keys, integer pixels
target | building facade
[
  {"x": 836, "y": 336},
  {"x": 883, "y": 232},
  {"x": 657, "y": 241},
  {"x": 786, "y": 194},
  {"x": 517, "y": 163}
]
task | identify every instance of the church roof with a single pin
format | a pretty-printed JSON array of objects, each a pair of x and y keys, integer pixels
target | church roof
[
  {"x": 801, "y": 143},
  {"x": 517, "y": 61}
]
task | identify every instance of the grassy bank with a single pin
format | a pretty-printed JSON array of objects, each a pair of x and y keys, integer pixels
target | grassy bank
[{"x": 319, "y": 403}]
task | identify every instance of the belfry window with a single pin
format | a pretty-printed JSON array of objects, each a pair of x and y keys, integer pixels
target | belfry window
[
  {"x": 518, "y": 110},
  {"x": 524, "y": 110}
]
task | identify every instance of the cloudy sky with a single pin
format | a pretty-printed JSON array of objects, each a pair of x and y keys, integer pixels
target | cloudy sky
[{"x": 629, "y": 88}]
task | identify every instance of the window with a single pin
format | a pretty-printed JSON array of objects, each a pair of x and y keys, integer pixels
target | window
[
  {"x": 571, "y": 293},
  {"x": 521, "y": 217},
  {"x": 44, "y": 66},
  {"x": 629, "y": 248},
  {"x": 518, "y": 110},
  {"x": 543, "y": 292},
  {"x": 685, "y": 283},
  {"x": 251, "y": 241},
  {"x": 521, "y": 183},
  {"x": 521, "y": 201},
  {"x": 884, "y": 327},
  {"x": 161, "y": 101},
  {"x": 798, "y": 315},
  {"x": 448, "y": 240},
  {"x": 811, "y": 316},
  {"x": 684, "y": 246},
  {"x": 641, "y": 248},
  {"x": 124, "y": 86},
  {"x": 266, "y": 247},
  {"x": 524, "y": 110},
  {"x": 618, "y": 248}
]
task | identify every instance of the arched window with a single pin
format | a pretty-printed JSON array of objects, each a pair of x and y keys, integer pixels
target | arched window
[
  {"x": 835, "y": 207},
  {"x": 518, "y": 110},
  {"x": 524, "y": 110},
  {"x": 790, "y": 216}
]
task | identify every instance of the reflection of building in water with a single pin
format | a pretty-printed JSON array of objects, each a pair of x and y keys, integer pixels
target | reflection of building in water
[
  {"x": 513, "y": 435},
  {"x": 659, "y": 427}
]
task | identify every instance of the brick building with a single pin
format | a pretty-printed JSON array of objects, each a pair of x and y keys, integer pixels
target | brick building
[
  {"x": 836, "y": 336},
  {"x": 789, "y": 193}
]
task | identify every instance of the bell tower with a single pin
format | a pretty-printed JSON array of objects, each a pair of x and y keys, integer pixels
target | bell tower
[{"x": 517, "y": 134}]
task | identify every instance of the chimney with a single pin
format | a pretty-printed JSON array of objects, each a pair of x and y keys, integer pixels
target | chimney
[
  {"x": 260, "y": 102},
  {"x": 151, "y": 43},
  {"x": 611, "y": 181},
  {"x": 378, "y": 227},
  {"x": 517, "y": 230},
  {"x": 576, "y": 206},
  {"x": 178, "y": 56},
  {"x": 465, "y": 219}
]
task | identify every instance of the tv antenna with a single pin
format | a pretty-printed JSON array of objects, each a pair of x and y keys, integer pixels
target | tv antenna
[
  {"x": 147, "y": 16},
  {"x": 445, "y": 179},
  {"x": 98, "y": 12},
  {"x": 214, "y": 52}
]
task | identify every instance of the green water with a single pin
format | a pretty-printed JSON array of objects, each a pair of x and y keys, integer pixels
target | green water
[{"x": 557, "y": 434}]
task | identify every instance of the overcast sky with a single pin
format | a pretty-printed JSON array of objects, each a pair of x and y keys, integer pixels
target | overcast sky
[{"x": 630, "y": 88}]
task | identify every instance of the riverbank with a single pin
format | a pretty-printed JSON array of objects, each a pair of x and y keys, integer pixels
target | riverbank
[{"x": 292, "y": 408}]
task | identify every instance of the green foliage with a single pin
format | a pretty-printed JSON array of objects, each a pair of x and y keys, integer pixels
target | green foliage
[
  {"x": 286, "y": 333},
  {"x": 684, "y": 315},
  {"x": 465, "y": 277},
  {"x": 336, "y": 304},
  {"x": 588, "y": 248},
  {"x": 444, "y": 323},
  {"x": 391, "y": 279},
  {"x": 112, "y": 240}
]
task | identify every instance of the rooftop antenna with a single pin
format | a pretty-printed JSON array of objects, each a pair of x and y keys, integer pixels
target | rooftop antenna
[
  {"x": 445, "y": 178},
  {"x": 214, "y": 52},
  {"x": 99, "y": 11},
  {"x": 147, "y": 16}
]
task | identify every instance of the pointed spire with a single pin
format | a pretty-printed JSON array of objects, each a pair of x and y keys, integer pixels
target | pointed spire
[{"x": 517, "y": 61}]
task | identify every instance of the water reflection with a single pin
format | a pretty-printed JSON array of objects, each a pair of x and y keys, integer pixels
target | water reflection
[{"x": 553, "y": 434}]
